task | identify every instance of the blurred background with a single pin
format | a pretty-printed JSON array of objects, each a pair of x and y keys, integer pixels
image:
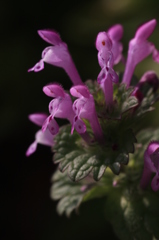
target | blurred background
[{"x": 26, "y": 208}]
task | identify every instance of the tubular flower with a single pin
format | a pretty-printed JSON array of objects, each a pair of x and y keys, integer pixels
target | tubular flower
[
  {"x": 84, "y": 107},
  {"x": 151, "y": 165},
  {"x": 60, "y": 107},
  {"x": 109, "y": 53},
  {"x": 139, "y": 49},
  {"x": 44, "y": 138},
  {"x": 57, "y": 55}
]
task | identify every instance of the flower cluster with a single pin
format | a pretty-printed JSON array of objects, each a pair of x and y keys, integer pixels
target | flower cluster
[{"x": 105, "y": 114}]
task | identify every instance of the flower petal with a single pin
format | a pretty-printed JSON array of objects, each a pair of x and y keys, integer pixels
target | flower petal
[
  {"x": 38, "y": 118},
  {"x": 45, "y": 138},
  {"x": 145, "y": 30},
  {"x": 113, "y": 75},
  {"x": 115, "y": 32},
  {"x": 38, "y": 66},
  {"x": 103, "y": 41},
  {"x": 46, "y": 122},
  {"x": 102, "y": 75},
  {"x": 50, "y": 36},
  {"x": 32, "y": 148},
  {"x": 54, "y": 90},
  {"x": 79, "y": 91},
  {"x": 79, "y": 125},
  {"x": 155, "y": 183},
  {"x": 51, "y": 124}
]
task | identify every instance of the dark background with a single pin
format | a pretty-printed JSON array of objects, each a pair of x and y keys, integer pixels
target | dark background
[{"x": 27, "y": 211}]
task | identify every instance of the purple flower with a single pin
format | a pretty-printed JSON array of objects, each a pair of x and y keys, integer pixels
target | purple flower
[
  {"x": 84, "y": 107},
  {"x": 109, "y": 41},
  {"x": 115, "y": 33},
  {"x": 109, "y": 53},
  {"x": 151, "y": 165},
  {"x": 44, "y": 138},
  {"x": 57, "y": 55},
  {"x": 149, "y": 78},
  {"x": 140, "y": 48},
  {"x": 60, "y": 107}
]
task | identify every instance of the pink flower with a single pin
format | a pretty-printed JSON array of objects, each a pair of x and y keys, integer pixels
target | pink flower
[
  {"x": 57, "y": 55},
  {"x": 151, "y": 165},
  {"x": 44, "y": 138},
  {"x": 139, "y": 49},
  {"x": 84, "y": 108},
  {"x": 109, "y": 53},
  {"x": 60, "y": 107}
]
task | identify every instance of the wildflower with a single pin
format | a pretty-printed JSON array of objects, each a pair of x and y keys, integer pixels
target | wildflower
[
  {"x": 139, "y": 49},
  {"x": 57, "y": 55},
  {"x": 44, "y": 138},
  {"x": 109, "y": 53},
  {"x": 60, "y": 107},
  {"x": 84, "y": 107},
  {"x": 151, "y": 165}
]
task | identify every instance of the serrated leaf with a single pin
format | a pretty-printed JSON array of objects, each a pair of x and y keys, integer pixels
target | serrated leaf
[
  {"x": 71, "y": 194},
  {"x": 81, "y": 166},
  {"x": 129, "y": 103},
  {"x": 98, "y": 172},
  {"x": 68, "y": 192},
  {"x": 123, "y": 158},
  {"x": 68, "y": 204},
  {"x": 67, "y": 159},
  {"x": 115, "y": 167}
]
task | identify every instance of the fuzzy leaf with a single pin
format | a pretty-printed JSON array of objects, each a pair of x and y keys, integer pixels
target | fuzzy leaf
[
  {"x": 129, "y": 103},
  {"x": 67, "y": 160},
  {"x": 68, "y": 192},
  {"x": 81, "y": 166},
  {"x": 71, "y": 194},
  {"x": 71, "y": 155}
]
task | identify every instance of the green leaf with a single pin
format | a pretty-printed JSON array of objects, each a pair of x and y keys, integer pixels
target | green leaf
[
  {"x": 71, "y": 194},
  {"x": 68, "y": 192},
  {"x": 122, "y": 158},
  {"x": 115, "y": 167},
  {"x": 68, "y": 204},
  {"x": 128, "y": 139},
  {"x": 68, "y": 159},
  {"x": 71, "y": 154},
  {"x": 98, "y": 172},
  {"x": 81, "y": 166},
  {"x": 129, "y": 103}
]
